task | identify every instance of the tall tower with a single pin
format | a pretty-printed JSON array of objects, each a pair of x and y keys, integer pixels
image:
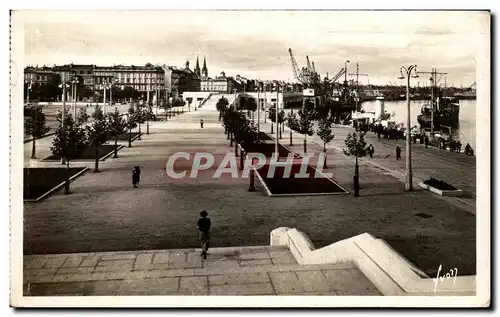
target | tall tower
[
  {"x": 187, "y": 65},
  {"x": 197, "y": 67},
  {"x": 204, "y": 70}
]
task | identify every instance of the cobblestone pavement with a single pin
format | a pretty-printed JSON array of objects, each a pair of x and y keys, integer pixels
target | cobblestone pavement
[
  {"x": 457, "y": 169},
  {"x": 105, "y": 213},
  {"x": 226, "y": 271}
]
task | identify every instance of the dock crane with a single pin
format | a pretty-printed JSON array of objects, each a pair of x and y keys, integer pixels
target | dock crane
[
  {"x": 307, "y": 75},
  {"x": 337, "y": 75}
]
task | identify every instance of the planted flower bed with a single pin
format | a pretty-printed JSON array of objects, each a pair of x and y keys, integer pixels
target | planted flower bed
[
  {"x": 440, "y": 187},
  {"x": 38, "y": 183},
  {"x": 105, "y": 150},
  {"x": 279, "y": 184},
  {"x": 264, "y": 136},
  {"x": 268, "y": 149}
]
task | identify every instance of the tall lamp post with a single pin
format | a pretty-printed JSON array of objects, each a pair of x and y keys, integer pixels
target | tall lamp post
[
  {"x": 105, "y": 87},
  {"x": 74, "y": 83},
  {"x": 113, "y": 81},
  {"x": 407, "y": 73},
  {"x": 345, "y": 80},
  {"x": 258, "y": 108},
  {"x": 276, "y": 148},
  {"x": 432, "y": 105},
  {"x": 265, "y": 100},
  {"x": 28, "y": 92},
  {"x": 63, "y": 85}
]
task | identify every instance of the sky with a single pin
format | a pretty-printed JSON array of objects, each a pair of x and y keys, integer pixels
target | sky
[{"x": 255, "y": 44}]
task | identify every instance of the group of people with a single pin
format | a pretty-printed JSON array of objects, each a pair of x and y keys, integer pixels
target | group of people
[{"x": 385, "y": 132}]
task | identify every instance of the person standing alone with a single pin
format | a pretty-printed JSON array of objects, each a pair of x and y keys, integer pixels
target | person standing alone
[
  {"x": 136, "y": 176},
  {"x": 398, "y": 153},
  {"x": 204, "y": 225},
  {"x": 201, "y": 123}
]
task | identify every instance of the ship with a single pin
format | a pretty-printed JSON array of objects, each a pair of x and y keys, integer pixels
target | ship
[{"x": 446, "y": 113}]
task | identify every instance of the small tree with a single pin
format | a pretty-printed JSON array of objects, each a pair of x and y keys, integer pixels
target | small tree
[
  {"x": 139, "y": 117},
  {"x": 176, "y": 103},
  {"x": 271, "y": 114},
  {"x": 292, "y": 123},
  {"x": 230, "y": 119},
  {"x": 249, "y": 104},
  {"x": 325, "y": 133},
  {"x": 166, "y": 106},
  {"x": 221, "y": 106},
  {"x": 98, "y": 133},
  {"x": 69, "y": 142},
  {"x": 148, "y": 116},
  {"x": 281, "y": 121},
  {"x": 130, "y": 124},
  {"x": 305, "y": 126},
  {"x": 117, "y": 126},
  {"x": 82, "y": 116},
  {"x": 36, "y": 126},
  {"x": 355, "y": 146}
]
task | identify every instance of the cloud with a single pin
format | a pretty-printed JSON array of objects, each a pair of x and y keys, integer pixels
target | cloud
[{"x": 255, "y": 43}]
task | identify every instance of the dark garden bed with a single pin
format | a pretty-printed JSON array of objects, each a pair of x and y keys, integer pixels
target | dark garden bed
[
  {"x": 89, "y": 153},
  {"x": 439, "y": 184},
  {"x": 268, "y": 149},
  {"x": 264, "y": 136},
  {"x": 279, "y": 185},
  {"x": 38, "y": 182},
  {"x": 125, "y": 136}
]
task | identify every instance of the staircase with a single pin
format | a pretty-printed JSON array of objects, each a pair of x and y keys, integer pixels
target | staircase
[{"x": 260, "y": 270}]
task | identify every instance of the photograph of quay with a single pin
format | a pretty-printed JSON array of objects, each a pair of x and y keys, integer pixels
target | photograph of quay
[{"x": 172, "y": 164}]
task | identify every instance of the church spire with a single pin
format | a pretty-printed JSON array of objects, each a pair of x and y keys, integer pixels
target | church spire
[
  {"x": 197, "y": 67},
  {"x": 204, "y": 70}
]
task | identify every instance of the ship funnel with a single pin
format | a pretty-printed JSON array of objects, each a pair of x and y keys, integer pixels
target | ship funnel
[{"x": 379, "y": 108}]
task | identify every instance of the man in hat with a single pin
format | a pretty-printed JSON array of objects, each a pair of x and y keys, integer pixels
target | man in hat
[{"x": 204, "y": 224}]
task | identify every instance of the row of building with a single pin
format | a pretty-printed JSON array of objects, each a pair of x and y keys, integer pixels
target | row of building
[{"x": 148, "y": 78}]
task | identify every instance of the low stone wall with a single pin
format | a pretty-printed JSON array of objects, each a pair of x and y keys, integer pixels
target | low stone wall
[{"x": 391, "y": 273}]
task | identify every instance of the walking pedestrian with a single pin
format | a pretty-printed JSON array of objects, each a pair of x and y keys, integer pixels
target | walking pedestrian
[
  {"x": 426, "y": 140},
  {"x": 201, "y": 123},
  {"x": 398, "y": 153},
  {"x": 136, "y": 176},
  {"x": 371, "y": 150},
  {"x": 204, "y": 225}
]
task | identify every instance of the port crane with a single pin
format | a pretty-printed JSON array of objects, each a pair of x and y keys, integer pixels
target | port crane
[{"x": 307, "y": 75}]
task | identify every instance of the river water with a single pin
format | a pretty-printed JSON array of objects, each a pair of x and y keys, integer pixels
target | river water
[{"x": 466, "y": 131}]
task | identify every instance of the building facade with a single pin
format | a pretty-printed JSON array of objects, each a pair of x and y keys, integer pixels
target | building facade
[
  {"x": 141, "y": 78},
  {"x": 38, "y": 75},
  {"x": 221, "y": 83}
]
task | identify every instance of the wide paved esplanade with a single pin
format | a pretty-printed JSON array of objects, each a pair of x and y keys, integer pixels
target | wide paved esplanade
[{"x": 109, "y": 238}]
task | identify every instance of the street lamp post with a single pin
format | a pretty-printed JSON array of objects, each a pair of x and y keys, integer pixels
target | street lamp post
[
  {"x": 276, "y": 147},
  {"x": 432, "y": 106},
  {"x": 345, "y": 80},
  {"x": 104, "y": 98},
  {"x": 28, "y": 93},
  {"x": 74, "y": 83},
  {"x": 407, "y": 73},
  {"x": 63, "y": 85},
  {"x": 265, "y": 100},
  {"x": 258, "y": 109}
]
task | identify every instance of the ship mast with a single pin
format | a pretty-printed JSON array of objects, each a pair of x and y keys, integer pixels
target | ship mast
[{"x": 434, "y": 80}]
